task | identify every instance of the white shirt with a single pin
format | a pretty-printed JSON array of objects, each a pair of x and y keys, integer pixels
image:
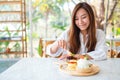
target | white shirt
[{"x": 99, "y": 53}]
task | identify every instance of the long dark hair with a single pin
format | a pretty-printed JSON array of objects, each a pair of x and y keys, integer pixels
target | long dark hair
[{"x": 74, "y": 31}]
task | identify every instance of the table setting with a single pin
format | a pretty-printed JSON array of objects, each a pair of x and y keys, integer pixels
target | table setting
[{"x": 55, "y": 69}]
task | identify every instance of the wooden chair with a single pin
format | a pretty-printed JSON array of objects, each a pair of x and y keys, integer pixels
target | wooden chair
[
  {"x": 117, "y": 45},
  {"x": 118, "y": 55},
  {"x": 114, "y": 53},
  {"x": 111, "y": 53},
  {"x": 45, "y": 44}
]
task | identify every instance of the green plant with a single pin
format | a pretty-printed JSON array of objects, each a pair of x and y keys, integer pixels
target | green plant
[
  {"x": 116, "y": 31},
  {"x": 16, "y": 47},
  {"x": 6, "y": 35},
  {"x": 40, "y": 48},
  {"x": 59, "y": 24},
  {"x": 4, "y": 45}
]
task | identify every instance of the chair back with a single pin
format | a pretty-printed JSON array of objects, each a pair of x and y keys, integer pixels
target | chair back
[{"x": 46, "y": 43}]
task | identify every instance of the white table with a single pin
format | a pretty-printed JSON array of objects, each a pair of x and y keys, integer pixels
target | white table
[{"x": 46, "y": 69}]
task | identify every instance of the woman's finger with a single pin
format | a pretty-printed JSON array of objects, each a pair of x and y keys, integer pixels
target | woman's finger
[
  {"x": 59, "y": 43},
  {"x": 63, "y": 57},
  {"x": 64, "y": 44}
]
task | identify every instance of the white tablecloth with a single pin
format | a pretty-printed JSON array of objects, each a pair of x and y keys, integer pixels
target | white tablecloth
[{"x": 46, "y": 69}]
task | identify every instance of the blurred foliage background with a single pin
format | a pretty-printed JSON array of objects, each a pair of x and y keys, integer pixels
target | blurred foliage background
[{"x": 53, "y": 17}]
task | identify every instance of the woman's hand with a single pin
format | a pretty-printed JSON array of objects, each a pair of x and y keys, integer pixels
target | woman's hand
[
  {"x": 62, "y": 44},
  {"x": 79, "y": 56},
  {"x": 64, "y": 56},
  {"x": 57, "y": 45}
]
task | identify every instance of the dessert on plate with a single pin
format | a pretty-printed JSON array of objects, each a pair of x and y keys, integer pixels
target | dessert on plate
[
  {"x": 71, "y": 64},
  {"x": 79, "y": 67},
  {"x": 84, "y": 66}
]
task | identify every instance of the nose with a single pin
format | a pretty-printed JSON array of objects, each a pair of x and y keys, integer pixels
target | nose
[{"x": 80, "y": 21}]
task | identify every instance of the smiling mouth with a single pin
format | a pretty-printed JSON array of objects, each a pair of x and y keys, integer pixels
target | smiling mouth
[{"x": 82, "y": 25}]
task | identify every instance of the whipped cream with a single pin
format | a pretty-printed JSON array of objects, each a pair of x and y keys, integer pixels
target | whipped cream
[{"x": 83, "y": 63}]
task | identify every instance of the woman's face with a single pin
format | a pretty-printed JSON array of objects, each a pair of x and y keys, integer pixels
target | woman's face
[{"x": 82, "y": 19}]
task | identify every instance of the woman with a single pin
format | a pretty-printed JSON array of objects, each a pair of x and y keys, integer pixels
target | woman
[{"x": 82, "y": 38}]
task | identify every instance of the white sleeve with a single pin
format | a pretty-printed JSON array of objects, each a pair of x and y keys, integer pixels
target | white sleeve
[
  {"x": 63, "y": 36},
  {"x": 100, "y": 52}
]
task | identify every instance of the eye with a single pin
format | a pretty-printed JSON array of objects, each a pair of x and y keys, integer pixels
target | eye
[
  {"x": 76, "y": 18},
  {"x": 83, "y": 17}
]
